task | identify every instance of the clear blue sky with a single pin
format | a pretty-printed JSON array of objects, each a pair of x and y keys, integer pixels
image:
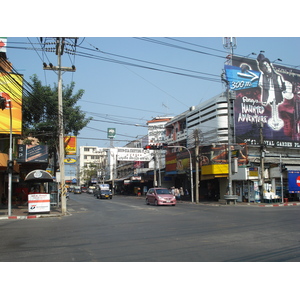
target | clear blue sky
[
  {"x": 126, "y": 94},
  {"x": 119, "y": 96}
]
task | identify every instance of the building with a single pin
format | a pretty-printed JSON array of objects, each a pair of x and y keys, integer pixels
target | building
[
  {"x": 263, "y": 136},
  {"x": 92, "y": 157}
]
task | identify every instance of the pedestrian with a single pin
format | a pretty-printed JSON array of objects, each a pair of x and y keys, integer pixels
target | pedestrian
[
  {"x": 181, "y": 191},
  {"x": 177, "y": 193},
  {"x": 173, "y": 190}
]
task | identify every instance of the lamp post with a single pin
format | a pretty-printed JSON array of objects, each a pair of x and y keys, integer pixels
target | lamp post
[{"x": 191, "y": 169}]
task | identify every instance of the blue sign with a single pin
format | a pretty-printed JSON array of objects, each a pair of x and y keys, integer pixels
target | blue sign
[
  {"x": 242, "y": 77},
  {"x": 294, "y": 181}
]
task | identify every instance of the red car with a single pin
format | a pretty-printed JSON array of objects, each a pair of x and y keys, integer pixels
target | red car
[{"x": 160, "y": 196}]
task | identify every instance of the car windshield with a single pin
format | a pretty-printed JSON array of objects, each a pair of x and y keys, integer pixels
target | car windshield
[
  {"x": 105, "y": 192},
  {"x": 163, "y": 191}
]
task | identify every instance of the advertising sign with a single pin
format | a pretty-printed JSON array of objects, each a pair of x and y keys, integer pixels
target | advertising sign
[
  {"x": 11, "y": 90},
  {"x": 70, "y": 145},
  {"x": 267, "y": 101},
  {"x": 294, "y": 181},
  {"x": 3, "y": 44},
  {"x": 133, "y": 154},
  {"x": 33, "y": 153},
  {"x": 38, "y": 203},
  {"x": 70, "y": 160}
]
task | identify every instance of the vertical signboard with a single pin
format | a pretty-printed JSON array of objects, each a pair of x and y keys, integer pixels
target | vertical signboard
[
  {"x": 267, "y": 101},
  {"x": 70, "y": 145},
  {"x": 111, "y": 133},
  {"x": 11, "y": 90}
]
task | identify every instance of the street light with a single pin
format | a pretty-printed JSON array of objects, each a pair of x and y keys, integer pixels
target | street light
[{"x": 191, "y": 169}]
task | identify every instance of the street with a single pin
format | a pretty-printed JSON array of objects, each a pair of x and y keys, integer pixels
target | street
[{"x": 124, "y": 229}]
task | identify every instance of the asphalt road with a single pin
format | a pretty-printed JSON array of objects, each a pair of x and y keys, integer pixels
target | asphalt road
[{"x": 124, "y": 229}]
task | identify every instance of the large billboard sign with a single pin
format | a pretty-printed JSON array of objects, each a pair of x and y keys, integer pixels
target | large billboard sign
[
  {"x": 267, "y": 101},
  {"x": 11, "y": 91}
]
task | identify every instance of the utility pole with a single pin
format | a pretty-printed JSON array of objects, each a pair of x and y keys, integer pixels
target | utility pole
[
  {"x": 262, "y": 161},
  {"x": 60, "y": 44},
  {"x": 229, "y": 43},
  {"x": 155, "y": 167},
  {"x": 196, "y": 136}
]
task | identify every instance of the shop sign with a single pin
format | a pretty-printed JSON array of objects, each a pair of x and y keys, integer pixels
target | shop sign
[
  {"x": 133, "y": 154},
  {"x": 38, "y": 203}
]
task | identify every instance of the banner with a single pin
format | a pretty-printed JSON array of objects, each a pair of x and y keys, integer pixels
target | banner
[
  {"x": 11, "y": 90},
  {"x": 267, "y": 101}
]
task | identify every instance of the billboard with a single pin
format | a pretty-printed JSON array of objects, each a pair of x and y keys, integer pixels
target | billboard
[
  {"x": 11, "y": 90},
  {"x": 294, "y": 181},
  {"x": 70, "y": 145},
  {"x": 3, "y": 44},
  {"x": 133, "y": 154},
  {"x": 32, "y": 153},
  {"x": 267, "y": 101}
]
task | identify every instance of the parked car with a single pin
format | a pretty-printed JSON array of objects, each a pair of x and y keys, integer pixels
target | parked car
[
  {"x": 160, "y": 196},
  {"x": 104, "y": 194}
]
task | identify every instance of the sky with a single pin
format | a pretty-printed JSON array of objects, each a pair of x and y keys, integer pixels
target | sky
[{"x": 170, "y": 75}]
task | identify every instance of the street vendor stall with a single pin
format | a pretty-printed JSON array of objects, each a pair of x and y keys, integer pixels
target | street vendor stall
[{"x": 39, "y": 192}]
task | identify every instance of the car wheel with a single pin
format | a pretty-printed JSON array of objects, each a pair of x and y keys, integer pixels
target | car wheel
[
  {"x": 147, "y": 202},
  {"x": 156, "y": 203}
]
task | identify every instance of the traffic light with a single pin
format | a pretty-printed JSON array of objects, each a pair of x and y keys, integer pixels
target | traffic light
[
  {"x": 283, "y": 168},
  {"x": 2, "y": 103},
  {"x": 10, "y": 166},
  {"x": 156, "y": 147}
]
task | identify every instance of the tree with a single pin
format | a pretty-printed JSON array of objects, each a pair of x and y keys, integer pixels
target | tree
[{"x": 40, "y": 113}]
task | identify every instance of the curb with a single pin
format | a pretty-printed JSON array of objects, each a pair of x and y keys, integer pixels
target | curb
[
  {"x": 32, "y": 217},
  {"x": 276, "y": 205}
]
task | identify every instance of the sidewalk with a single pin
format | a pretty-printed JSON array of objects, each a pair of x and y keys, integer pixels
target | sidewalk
[
  {"x": 255, "y": 204},
  {"x": 21, "y": 212}
]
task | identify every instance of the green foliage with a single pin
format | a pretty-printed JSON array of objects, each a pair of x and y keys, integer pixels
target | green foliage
[{"x": 40, "y": 112}]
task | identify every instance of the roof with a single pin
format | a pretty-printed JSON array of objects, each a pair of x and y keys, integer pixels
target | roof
[{"x": 39, "y": 175}]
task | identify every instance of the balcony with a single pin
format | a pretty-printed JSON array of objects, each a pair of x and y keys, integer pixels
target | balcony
[{"x": 180, "y": 136}]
